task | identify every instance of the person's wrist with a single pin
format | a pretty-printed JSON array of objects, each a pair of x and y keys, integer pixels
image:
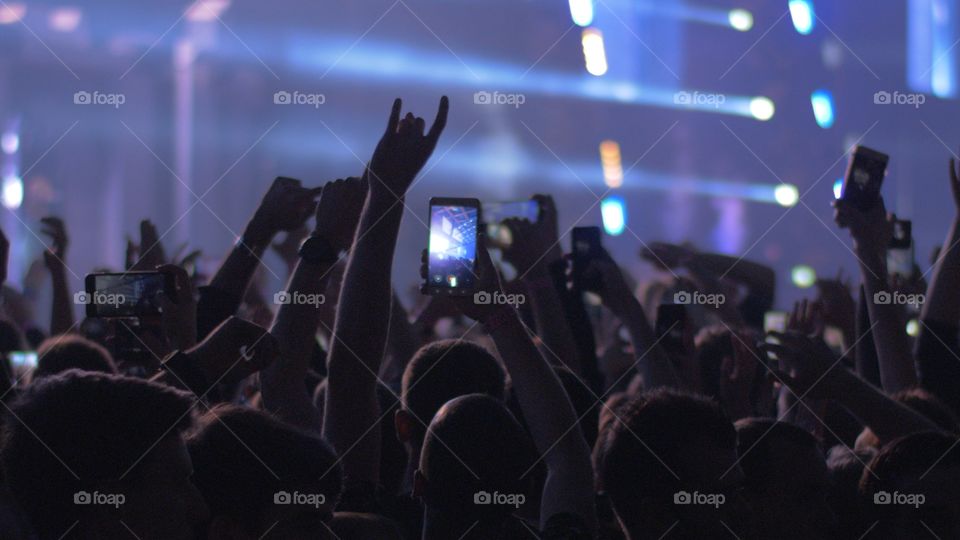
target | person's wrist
[{"x": 498, "y": 318}]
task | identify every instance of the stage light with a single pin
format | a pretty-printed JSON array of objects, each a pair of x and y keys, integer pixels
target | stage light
[
  {"x": 822, "y": 102},
  {"x": 65, "y": 19},
  {"x": 741, "y": 19},
  {"x": 612, "y": 166},
  {"x": 838, "y": 188},
  {"x": 786, "y": 195},
  {"x": 614, "y": 212},
  {"x": 12, "y": 191},
  {"x": 762, "y": 108},
  {"x": 11, "y": 12},
  {"x": 803, "y": 276},
  {"x": 593, "y": 53},
  {"x": 581, "y": 11},
  {"x": 10, "y": 142},
  {"x": 801, "y": 12},
  {"x": 913, "y": 328},
  {"x": 207, "y": 10}
]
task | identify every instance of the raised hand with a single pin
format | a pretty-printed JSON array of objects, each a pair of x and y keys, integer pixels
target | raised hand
[
  {"x": 955, "y": 184},
  {"x": 535, "y": 245},
  {"x": 150, "y": 249},
  {"x": 234, "y": 350},
  {"x": 871, "y": 230},
  {"x": 55, "y": 255},
  {"x": 835, "y": 300},
  {"x": 488, "y": 281},
  {"x": 339, "y": 211},
  {"x": 288, "y": 248},
  {"x": 4, "y": 256},
  {"x": 403, "y": 150},
  {"x": 285, "y": 207},
  {"x": 614, "y": 290},
  {"x": 811, "y": 367}
]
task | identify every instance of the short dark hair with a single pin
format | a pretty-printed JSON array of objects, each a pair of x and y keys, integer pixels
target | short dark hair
[
  {"x": 756, "y": 438},
  {"x": 242, "y": 457},
  {"x": 638, "y": 454},
  {"x": 443, "y": 370},
  {"x": 475, "y": 444},
  {"x": 918, "y": 453},
  {"x": 930, "y": 406},
  {"x": 70, "y": 351},
  {"x": 69, "y": 432}
]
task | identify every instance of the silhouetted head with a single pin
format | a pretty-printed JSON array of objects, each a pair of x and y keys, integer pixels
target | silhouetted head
[
  {"x": 669, "y": 460},
  {"x": 924, "y": 403},
  {"x": 912, "y": 487},
  {"x": 785, "y": 479},
  {"x": 439, "y": 372},
  {"x": 259, "y": 474},
  {"x": 476, "y": 461},
  {"x": 103, "y": 453},
  {"x": 70, "y": 351}
]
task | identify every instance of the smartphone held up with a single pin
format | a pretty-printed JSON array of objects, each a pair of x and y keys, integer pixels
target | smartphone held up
[{"x": 453, "y": 244}]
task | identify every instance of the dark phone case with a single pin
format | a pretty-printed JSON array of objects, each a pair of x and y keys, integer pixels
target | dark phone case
[
  {"x": 864, "y": 195},
  {"x": 426, "y": 288},
  {"x": 592, "y": 237}
]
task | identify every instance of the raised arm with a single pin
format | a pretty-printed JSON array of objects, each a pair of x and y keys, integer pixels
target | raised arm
[
  {"x": 61, "y": 313},
  {"x": 871, "y": 232},
  {"x": 544, "y": 404},
  {"x": 285, "y": 207},
  {"x": 295, "y": 325},
  {"x": 818, "y": 374},
  {"x": 363, "y": 312},
  {"x": 534, "y": 249},
  {"x": 652, "y": 360}
]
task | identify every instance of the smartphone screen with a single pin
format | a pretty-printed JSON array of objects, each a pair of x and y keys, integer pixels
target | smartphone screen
[
  {"x": 900, "y": 255},
  {"x": 865, "y": 173},
  {"x": 586, "y": 247},
  {"x": 452, "y": 250},
  {"x": 671, "y": 324},
  {"x": 23, "y": 359},
  {"x": 129, "y": 294}
]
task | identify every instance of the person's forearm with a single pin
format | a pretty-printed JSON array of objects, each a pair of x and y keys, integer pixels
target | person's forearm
[
  {"x": 941, "y": 303},
  {"x": 356, "y": 349},
  {"x": 654, "y": 363},
  {"x": 550, "y": 319},
  {"x": 238, "y": 268},
  {"x": 402, "y": 342},
  {"x": 887, "y": 418},
  {"x": 61, "y": 313},
  {"x": 759, "y": 278},
  {"x": 550, "y": 418},
  {"x": 295, "y": 326},
  {"x": 897, "y": 371}
]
